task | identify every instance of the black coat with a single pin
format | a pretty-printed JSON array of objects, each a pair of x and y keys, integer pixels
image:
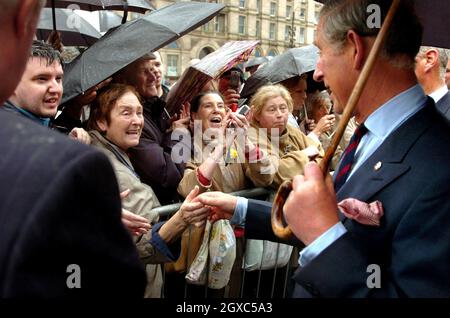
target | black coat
[
  {"x": 59, "y": 205},
  {"x": 412, "y": 244},
  {"x": 443, "y": 105}
]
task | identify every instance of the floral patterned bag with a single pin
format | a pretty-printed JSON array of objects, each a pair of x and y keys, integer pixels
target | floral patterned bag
[{"x": 219, "y": 248}]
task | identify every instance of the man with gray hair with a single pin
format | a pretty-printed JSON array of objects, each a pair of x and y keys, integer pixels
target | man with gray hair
[
  {"x": 61, "y": 233},
  {"x": 431, "y": 64},
  {"x": 396, "y": 164}
]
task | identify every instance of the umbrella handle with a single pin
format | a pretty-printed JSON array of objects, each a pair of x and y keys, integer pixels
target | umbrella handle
[
  {"x": 125, "y": 11},
  {"x": 286, "y": 187},
  {"x": 54, "y": 15}
]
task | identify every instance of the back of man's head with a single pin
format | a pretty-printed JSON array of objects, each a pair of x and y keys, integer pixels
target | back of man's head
[
  {"x": 19, "y": 19},
  {"x": 404, "y": 37}
]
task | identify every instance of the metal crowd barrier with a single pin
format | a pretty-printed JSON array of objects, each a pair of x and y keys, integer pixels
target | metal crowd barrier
[{"x": 255, "y": 284}]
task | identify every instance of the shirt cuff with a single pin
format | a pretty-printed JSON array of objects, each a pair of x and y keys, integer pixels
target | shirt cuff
[
  {"x": 321, "y": 243},
  {"x": 240, "y": 212},
  {"x": 160, "y": 244},
  {"x": 314, "y": 137}
]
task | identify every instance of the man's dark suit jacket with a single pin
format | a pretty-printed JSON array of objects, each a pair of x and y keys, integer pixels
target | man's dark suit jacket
[
  {"x": 443, "y": 105},
  {"x": 412, "y": 245},
  {"x": 59, "y": 205}
]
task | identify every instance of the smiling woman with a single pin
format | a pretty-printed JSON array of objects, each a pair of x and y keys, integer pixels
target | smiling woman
[{"x": 115, "y": 125}]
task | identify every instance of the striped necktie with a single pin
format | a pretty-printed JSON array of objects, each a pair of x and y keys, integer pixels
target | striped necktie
[{"x": 347, "y": 159}]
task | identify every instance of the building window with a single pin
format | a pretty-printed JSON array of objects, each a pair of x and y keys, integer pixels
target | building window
[
  {"x": 302, "y": 14},
  {"x": 287, "y": 33},
  {"x": 272, "y": 52},
  {"x": 206, "y": 27},
  {"x": 172, "y": 65},
  {"x": 272, "y": 31},
  {"x": 205, "y": 51},
  {"x": 301, "y": 36},
  {"x": 288, "y": 11},
  {"x": 172, "y": 45},
  {"x": 241, "y": 3},
  {"x": 219, "y": 23},
  {"x": 258, "y": 52},
  {"x": 273, "y": 8},
  {"x": 258, "y": 6},
  {"x": 316, "y": 16},
  {"x": 241, "y": 24}
]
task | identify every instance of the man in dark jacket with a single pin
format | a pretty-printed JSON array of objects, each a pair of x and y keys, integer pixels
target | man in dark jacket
[
  {"x": 60, "y": 231},
  {"x": 401, "y": 161}
]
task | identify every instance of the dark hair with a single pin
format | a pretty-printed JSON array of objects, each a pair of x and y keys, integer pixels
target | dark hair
[
  {"x": 404, "y": 36},
  {"x": 45, "y": 51},
  {"x": 104, "y": 103},
  {"x": 195, "y": 103}
]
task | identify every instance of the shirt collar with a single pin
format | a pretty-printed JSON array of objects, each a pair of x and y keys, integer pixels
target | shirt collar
[
  {"x": 41, "y": 120},
  {"x": 397, "y": 110},
  {"x": 439, "y": 93}
]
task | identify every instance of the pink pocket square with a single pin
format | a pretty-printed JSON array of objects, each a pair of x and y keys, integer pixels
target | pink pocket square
[{"x": 364, "y": 213}]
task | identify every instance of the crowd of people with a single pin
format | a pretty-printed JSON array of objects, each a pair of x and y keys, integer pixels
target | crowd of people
[{"x": 83, "y": 192}]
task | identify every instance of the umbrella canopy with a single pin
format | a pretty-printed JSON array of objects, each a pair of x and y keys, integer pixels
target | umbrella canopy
[
  {"x": 75, "y": 30},
  {"x": 257, "y": 61},
  {"x": 293, "y": 62},
  {"x": 434, "y": 17},
  {"x": 131, "y": 40},
  {"x": 141, "y": 6},
  {"x": 108, "y": 19},
  {"x": 209, "y": 67}
]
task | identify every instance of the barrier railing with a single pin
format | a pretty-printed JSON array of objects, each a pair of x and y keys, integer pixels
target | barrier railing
[{"x": 255, "y": 284}]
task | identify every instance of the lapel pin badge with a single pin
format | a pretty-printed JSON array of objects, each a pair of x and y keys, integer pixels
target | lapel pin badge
[{"x": 377, "y": 166}]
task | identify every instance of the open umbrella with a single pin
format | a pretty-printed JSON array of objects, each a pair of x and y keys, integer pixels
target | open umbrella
[
  {"x": 75, "y": 30},
  {"x": 108, "y": 19},
  {"x": 141, "y": 6},
  {"x": 131, "y": 40},
  {"x": 293, "y": 62},
  {"x": 209, "y": 67}
]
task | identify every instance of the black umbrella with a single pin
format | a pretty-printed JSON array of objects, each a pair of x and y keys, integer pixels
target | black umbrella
[
  {"x": 132, "y": 40},
  {"x": 140, "y": 6},
  {"x": 434, "y": 17},
  {"x": 293, "y": 62},
  {"x": 74, "y": 29}
]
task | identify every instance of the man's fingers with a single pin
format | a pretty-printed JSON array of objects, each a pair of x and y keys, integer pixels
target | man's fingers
[
  {"x": 313, "y": 171},
  {"x": 297, "y": 181}
]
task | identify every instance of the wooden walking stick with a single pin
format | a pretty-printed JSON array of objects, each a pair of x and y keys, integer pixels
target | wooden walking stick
[{"x": 286, "y": 187}]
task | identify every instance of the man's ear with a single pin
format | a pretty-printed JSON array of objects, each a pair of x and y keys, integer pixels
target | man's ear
[
  {"x": 27, "y": 16},
  {"x": 358, "y": 49},
  {"x": 432, "y": 58}
]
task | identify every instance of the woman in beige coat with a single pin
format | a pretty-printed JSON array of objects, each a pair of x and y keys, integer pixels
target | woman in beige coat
[
  {"x": 115, "y": 125},
  {"x": 224, "y": 160},
  {"x": 288, "y": 148}
]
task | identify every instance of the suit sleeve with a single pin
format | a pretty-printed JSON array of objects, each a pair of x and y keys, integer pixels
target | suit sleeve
[
  {"x": 419, "y": 261},
  {"x": 77, "y": 220},
  {"x": 258, "y": 224}
]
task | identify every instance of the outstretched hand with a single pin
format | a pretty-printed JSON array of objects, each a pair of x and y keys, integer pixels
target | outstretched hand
[
  {"x": 192, "y": 211},
  {"x": 221, "y": 205}
]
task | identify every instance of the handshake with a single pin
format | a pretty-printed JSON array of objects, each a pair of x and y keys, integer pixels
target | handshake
[{"x": 196, "y": 209}]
